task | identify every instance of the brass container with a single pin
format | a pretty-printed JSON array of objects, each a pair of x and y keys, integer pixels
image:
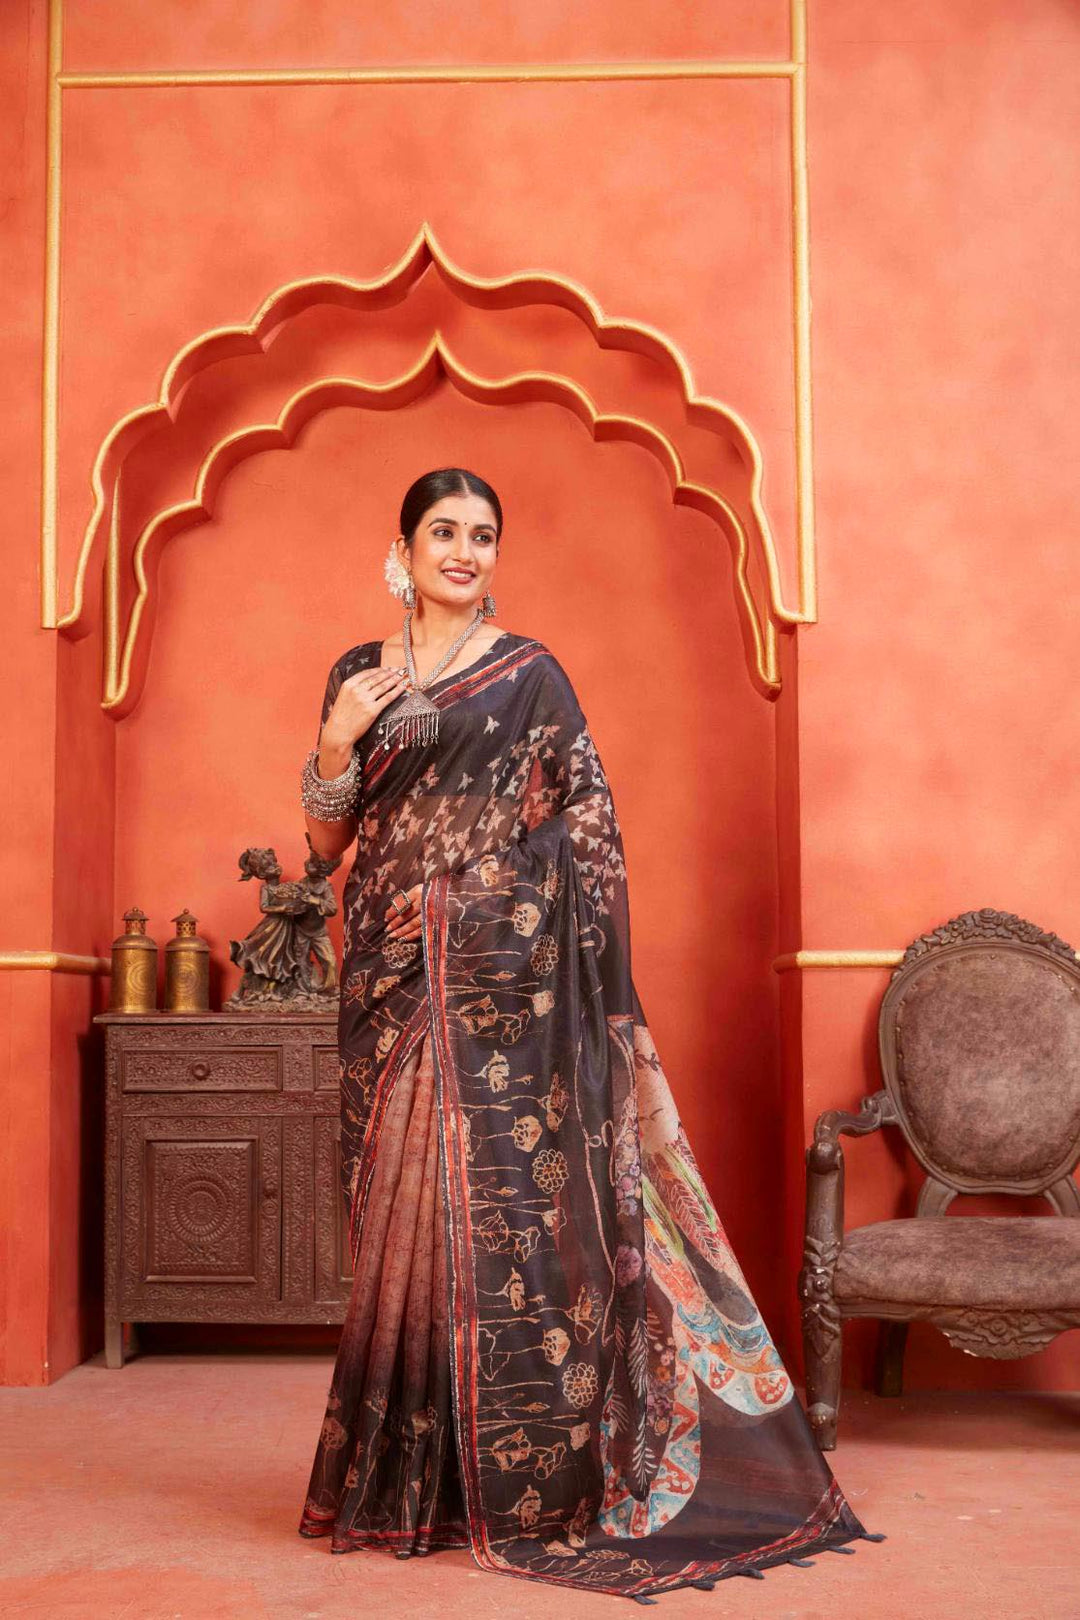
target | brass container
[
  {"x": 187, "y": 968},
  {"x": 133, "y": 986}
]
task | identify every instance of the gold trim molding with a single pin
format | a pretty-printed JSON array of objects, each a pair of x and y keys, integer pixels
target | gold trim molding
[
  {"x": 52, "y": 962},
  {"x": 437, "y": 360},
  {"x": 50, "y": 342},
  {"x": 760, "y": 619},
  {"x": 431, "y": 73},
  {"x": 792, "y": 70}
]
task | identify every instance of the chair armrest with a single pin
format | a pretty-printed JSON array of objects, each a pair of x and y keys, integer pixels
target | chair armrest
[
  {"x": 825, "y": 1208},
  {"x": 825, "y": 1153}
]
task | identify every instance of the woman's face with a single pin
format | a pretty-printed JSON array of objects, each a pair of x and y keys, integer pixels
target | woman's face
[{"x": 452, "y": 555}]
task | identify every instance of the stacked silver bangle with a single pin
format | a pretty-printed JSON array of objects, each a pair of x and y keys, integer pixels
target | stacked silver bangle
[{"x": 329, "y": 798}]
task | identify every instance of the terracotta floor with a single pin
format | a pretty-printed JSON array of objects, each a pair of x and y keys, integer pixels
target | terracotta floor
[{"x": 171, "y": 1491}]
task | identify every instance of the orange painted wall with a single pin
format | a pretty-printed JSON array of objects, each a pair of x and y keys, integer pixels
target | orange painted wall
[
  {"x": 901, "y": 776},
  {"x": 938, "y": 730},
  {"x": 27, "y": 793},
  {"x": 202, "y": 201}
]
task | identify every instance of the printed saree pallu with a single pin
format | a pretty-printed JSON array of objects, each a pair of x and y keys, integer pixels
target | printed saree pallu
[{"x": 550, "y": 1354}]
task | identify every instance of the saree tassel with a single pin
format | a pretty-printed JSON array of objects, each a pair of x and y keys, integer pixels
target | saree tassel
[{"x": 415, "y": 725}]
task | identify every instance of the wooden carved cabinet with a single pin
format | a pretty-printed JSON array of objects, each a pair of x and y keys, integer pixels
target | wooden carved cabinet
[{"x": 222, "y": 1171}]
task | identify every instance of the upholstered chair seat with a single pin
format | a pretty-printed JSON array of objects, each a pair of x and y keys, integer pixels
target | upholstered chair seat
[
  {"x": 979, "y": 1044},
  {"x": 1006, "y": 1263}
]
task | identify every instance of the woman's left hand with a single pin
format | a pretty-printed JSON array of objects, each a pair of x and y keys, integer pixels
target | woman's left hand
[{"x": 404, "y": 922}]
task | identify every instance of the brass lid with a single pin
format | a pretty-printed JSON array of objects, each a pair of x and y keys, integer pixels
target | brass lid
[
  {"x": 187, "y": 940},
  {"x": 135, "y": 938}
]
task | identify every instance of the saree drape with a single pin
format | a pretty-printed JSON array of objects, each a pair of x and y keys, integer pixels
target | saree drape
[{"x": 550, "y": 1353}]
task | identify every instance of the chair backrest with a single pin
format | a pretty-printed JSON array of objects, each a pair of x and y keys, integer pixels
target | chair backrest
[{"x": 979, "y": 1036}]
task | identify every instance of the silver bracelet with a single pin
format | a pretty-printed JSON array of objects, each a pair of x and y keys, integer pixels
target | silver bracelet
[{"x": 329, "y": 798}]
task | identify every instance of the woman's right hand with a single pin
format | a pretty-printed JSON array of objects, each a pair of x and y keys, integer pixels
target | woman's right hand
[{"x": 359, "y": 703}]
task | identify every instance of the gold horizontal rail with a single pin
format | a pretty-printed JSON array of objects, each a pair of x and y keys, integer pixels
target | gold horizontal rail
[
  {"x": 430, "y": 73},
  {"x": 52, "y": 962},
  {"x": 835, "y": 959}
]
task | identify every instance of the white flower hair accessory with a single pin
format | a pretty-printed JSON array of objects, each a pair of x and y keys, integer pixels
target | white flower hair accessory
[{"x": 395, "y": 572}]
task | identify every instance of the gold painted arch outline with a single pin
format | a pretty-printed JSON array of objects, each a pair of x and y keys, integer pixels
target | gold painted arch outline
[{"x": 760, "y": 620}]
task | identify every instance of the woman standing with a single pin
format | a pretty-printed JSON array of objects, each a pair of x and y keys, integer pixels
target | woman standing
[{"x": 550, "y": 1354}]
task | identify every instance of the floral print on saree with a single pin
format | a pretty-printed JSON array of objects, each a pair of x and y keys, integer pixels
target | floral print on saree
[{"x": 609, "y": 1411}]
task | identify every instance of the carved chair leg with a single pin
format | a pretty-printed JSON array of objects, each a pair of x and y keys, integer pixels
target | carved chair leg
[
  {"x": 889, "y": 1368},
  {"x": 822, "y": 1346}
]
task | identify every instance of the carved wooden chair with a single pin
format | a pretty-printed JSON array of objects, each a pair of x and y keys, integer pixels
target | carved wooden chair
[{"x": 979, "y": 1037}]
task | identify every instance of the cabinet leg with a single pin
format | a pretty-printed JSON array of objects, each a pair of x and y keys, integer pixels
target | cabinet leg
[{"x": 114, "y": 1344}]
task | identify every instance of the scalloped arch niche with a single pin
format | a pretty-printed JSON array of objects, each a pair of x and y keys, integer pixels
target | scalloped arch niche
[{"x": 382, "y": 345}]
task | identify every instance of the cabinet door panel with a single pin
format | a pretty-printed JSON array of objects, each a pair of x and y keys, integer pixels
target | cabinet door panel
[{"x": 201, "y": 1216}]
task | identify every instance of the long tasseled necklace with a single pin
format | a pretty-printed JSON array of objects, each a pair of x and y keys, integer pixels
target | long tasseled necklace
[{"x": 416, "y": 722}]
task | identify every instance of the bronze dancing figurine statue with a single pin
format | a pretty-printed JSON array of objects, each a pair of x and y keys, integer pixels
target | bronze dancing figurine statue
[{"x": 276, "y": 955}]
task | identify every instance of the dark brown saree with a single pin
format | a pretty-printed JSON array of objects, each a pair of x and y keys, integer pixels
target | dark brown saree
[{"x": 550, "y": 1354}]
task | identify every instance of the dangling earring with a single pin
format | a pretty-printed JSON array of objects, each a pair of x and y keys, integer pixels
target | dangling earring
[
  {"x": 410, "y": 595},
  {"x": 397, "y": 576},
  {"x": 488, "y": 605}
]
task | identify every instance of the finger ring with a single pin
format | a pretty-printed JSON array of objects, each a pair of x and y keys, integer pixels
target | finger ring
[{"x": 394, "y": 901}]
